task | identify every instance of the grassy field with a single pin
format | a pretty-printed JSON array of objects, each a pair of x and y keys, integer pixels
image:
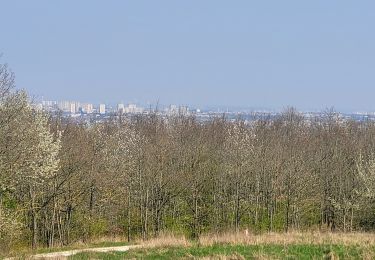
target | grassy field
[
  {"x": 240, "y": 252},
  {"x": 294, "y": 245},
  {"x": 239, "y": 246}
]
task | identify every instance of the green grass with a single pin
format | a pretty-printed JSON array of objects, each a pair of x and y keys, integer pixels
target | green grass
[{"x": 237, "y": 252}]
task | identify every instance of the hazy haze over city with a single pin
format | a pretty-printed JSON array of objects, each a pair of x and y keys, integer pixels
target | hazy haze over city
[{"x": 308, "y": 54}]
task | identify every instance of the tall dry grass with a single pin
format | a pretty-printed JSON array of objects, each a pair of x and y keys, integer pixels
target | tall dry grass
[
  {"x": 166, "y": 240},
  {"x": 316, "y": 238},
  {"x": 241, "y": 238}
]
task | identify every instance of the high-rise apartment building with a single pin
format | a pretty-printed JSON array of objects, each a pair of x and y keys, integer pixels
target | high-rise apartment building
[
  {"x": 102, "y": 109},
  {"x": 65, "y": 106},
  {"x": 87, "y": 108},
  {"x": 120, "y": 108},
  {"x": 73, "y": 108}
]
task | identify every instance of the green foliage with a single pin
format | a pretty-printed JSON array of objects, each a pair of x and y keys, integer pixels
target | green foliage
[
  {"x": 8, "y": 202},
  {"x": 98, "y": 227},
  {"x": 11, "y": 228},
  {"x": 310, "y": 214}
]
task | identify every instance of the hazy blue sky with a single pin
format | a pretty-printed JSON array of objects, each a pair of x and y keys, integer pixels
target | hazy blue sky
[{"x": 310, "y": 54}]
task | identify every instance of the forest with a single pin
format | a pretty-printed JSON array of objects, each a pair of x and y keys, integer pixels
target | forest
[{"x": 63, "y": 181}]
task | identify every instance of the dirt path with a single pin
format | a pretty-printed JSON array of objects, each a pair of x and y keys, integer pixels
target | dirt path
[{"x": 65, "y": 254}]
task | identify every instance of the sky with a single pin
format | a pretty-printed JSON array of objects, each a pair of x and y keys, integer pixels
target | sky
[{"x": 239, "y": 53}]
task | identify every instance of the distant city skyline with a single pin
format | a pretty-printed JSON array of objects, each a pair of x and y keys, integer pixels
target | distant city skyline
[
  {"x": 133, "y": 107},
  {"x": 88, "y": 112},
  {"x": 269, "y": 54}
]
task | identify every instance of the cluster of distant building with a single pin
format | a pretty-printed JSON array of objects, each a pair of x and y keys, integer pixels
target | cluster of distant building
[
  {"x": 79, "y": 108},
  {"x": 72, "y": 107}
]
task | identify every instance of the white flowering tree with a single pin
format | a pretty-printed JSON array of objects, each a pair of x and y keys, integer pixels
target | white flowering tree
[
  {"x": 28, "y": 156},
  {"x": 40, "y": 166},
  {"x": 121, "y": 156}
]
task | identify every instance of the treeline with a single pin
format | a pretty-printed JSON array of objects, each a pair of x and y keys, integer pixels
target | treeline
[{"x": 63, "y": 181}]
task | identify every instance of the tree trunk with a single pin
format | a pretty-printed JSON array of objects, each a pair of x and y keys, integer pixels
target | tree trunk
[
  {"x": 237, "y": 211},
  {"x": 129, "y": 216},
  {"x": 287, "y": 212},
  {"x": 34, "y": 224},
  {"x": 351, "y": 219},
  {"x": 146, "y": 217}
]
